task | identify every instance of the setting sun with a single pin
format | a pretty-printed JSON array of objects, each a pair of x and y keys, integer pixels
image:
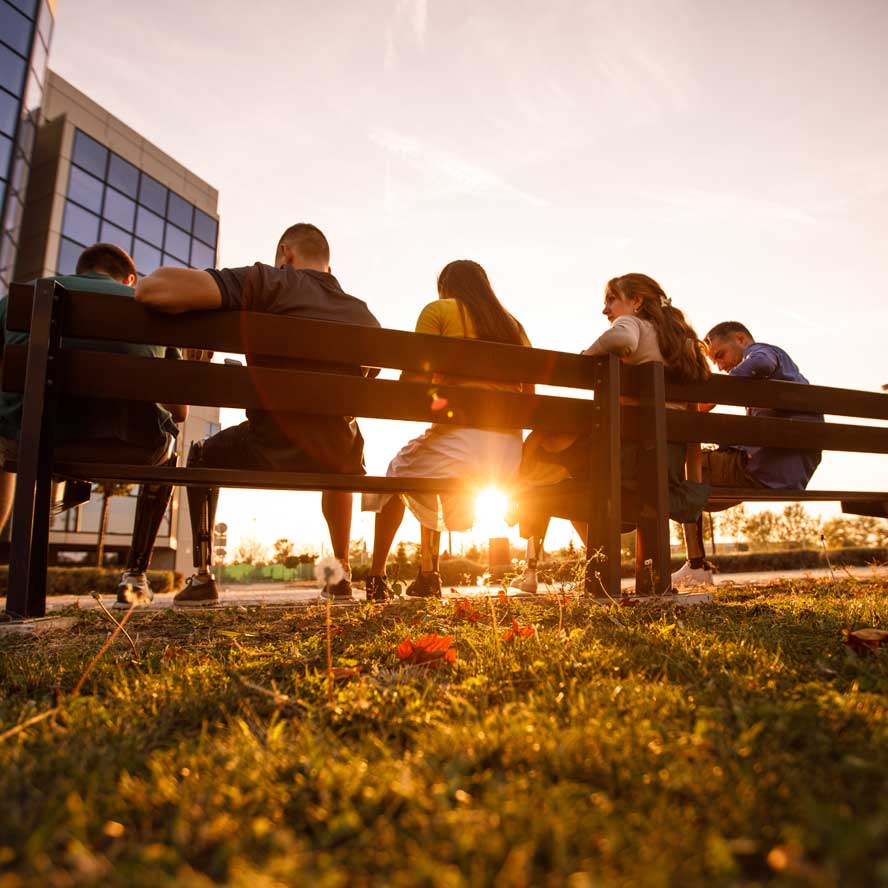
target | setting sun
[{"x": 490, "y": 512}]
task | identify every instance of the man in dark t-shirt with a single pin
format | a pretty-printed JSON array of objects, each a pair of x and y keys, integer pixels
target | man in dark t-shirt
[{"x": 298, "y": 285}]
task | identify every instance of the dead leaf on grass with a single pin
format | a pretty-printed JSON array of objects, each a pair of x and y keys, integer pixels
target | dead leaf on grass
[
  {"x": 429, "y": 649},
  {"x": 464, "y": 608},
  {"x": 864, "y": 640},
  {"x": 518, "y": 631},
  {"x": 345, "y": 673}
]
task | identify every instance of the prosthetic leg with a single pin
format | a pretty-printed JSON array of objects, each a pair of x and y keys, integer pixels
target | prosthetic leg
[
  {"x": 536, "y": 535},
  {"x": 151, "y": 507},
  {"x": 200, "y": 589},
  {"x": 428, "y": 582}
]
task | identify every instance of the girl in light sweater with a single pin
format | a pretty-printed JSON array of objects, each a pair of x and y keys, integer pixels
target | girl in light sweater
[{"x": 645, "y": 326}]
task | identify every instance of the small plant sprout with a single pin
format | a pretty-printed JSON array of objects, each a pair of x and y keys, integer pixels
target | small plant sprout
[{"x": 328, "y": 571}]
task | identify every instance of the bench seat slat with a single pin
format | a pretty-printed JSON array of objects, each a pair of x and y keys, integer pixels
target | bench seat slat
[{"x": 248, "y": 478}]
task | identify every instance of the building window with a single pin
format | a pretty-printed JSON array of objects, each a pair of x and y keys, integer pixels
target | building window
[
  {"x": 69, "y": 253},
  {"x": 9, "y": 109},
  {"x": 111, "y": 200},
  {"x": 28, "y": 7},
  {"x": 111, "y": 234},
  {"x": 146, "y": 257},
  {"x": 152, "y": 194},
  {"x": 89, "y": 154},
  {"x": 12, "y": 70},
  {"x": 15, "y": 29},
  {"x": 85, "y": 189},
  {"x": 119, "y": 209},
  {"x": 80, "y": 225},
  {"x": 123, "y": 176}
]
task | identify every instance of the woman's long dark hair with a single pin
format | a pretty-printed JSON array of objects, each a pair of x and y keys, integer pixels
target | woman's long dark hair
[
  {"x": 467, "y": 283},
  {"x": 683, "y": 352}
]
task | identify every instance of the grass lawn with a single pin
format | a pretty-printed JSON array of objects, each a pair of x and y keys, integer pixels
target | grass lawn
[{"x": 738, "y": 743}]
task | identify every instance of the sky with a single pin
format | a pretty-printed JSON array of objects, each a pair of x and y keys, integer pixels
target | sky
[{"x": 737, "y": 152}]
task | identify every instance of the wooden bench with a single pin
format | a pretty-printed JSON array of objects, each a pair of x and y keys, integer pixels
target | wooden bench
[
  {"x": 724, "y": 429},
  {"x": 45, "y": 372}
]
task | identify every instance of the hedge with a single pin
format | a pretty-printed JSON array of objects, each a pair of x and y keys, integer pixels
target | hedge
[
  {"x": 83, "y": 580},
  {"x": 454, "y": 571}
]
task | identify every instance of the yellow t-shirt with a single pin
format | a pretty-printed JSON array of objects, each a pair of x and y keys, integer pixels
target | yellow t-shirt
[{"x": 446, "y": 317}]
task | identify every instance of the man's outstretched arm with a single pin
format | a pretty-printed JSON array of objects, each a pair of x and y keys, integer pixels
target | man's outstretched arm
[{"x": 175, "y": 290}]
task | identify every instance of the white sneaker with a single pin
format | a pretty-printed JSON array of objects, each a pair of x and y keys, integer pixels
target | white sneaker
[
  {"x": 692, "y": 576},
  {"x": 133, "y": 588},
  {"x": 527, "y": 582}
]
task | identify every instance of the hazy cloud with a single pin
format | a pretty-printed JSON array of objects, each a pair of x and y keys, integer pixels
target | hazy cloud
[
  {"x": 452, "y": 173},
  {"x": 407, "y": 24},
  {"x": 737, "y": 206}
]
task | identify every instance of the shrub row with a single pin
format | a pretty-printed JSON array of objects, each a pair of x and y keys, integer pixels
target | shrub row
[
  {"x": 454, "y": 571},
  {"x": 784, "y": 559},
  {"x": 83, "y": 580}
]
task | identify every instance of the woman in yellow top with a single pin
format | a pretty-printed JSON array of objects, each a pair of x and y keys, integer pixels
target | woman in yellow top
[{"x": 468, "y": 308}]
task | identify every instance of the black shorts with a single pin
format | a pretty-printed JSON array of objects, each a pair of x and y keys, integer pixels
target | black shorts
[{"x": 237, "y": 447}]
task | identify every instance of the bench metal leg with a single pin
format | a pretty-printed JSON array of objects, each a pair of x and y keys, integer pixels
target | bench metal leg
[
  {"x": 603, "y": 537},
  {"x": 652, "y": 552},
  {"x": 31, "y": 507}
]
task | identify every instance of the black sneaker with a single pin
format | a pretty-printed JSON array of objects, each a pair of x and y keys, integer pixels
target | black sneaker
[
  {"x": 341, "y": 591},
  {"x": 378, "y": 589},
  {"x": 198, "y": 592},
  {"x": 426, "y": 585}
]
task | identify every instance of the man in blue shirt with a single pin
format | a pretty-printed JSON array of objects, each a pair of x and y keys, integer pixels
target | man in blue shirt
[
  {"x": 102, "y": 430},
  {"x": 733, "y": 350}
]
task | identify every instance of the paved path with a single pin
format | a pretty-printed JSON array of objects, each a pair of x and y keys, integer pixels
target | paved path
[{"x": 284, "y": 595}]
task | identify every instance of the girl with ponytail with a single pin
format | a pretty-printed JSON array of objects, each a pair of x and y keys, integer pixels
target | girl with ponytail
[{"x": 645, "y": 326}]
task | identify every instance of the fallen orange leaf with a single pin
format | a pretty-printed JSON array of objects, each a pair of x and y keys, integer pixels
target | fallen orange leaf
[
  {"x": 430, "y": 648},
  {"x": 462, "y": 607},
  {"x": 518, "y": 631}
]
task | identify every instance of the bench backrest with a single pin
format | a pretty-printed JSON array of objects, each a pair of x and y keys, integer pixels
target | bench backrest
[
  {"x": 106, "y": 375},
  {"x": 769, "y": 431}
]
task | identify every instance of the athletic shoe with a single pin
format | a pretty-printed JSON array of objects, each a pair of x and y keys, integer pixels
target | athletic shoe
[
  {"x": 527, "y": 582},
  {"x": 426, "y": 585},
  {"x": 341, "y": 591},
  {"x": 199, "y": 591},
  {"x": 378, "y": 589},
  {"x": 133, "y": 588},
  {"x": 692, "y": 576}
]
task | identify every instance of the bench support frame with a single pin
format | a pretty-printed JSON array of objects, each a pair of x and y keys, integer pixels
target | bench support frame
[{"x": 33, "y": 489}]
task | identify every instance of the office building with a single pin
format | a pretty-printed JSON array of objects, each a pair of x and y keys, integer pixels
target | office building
[
  {"x": 25, "y": 35},
  {"x": 93, "y": 178}
]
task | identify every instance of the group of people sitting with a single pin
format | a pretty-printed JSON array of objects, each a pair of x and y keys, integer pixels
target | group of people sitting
[{"x": 644, "y": 326}]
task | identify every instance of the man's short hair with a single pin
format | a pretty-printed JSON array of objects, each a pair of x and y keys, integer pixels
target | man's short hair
[
  {"x": 308, "y": 241},
  {"x": 106, "y": 259},
  {"x": 726, "y": 328}
]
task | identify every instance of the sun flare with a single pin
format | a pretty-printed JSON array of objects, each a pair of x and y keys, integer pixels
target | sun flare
[{"x": 490, "y": 512}]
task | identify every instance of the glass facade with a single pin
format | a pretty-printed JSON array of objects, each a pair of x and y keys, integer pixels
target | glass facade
[
  {"x": 25, "y": 34},
  {"x": 121, "y": 512},
  {"x": 108, "y": 199}
]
